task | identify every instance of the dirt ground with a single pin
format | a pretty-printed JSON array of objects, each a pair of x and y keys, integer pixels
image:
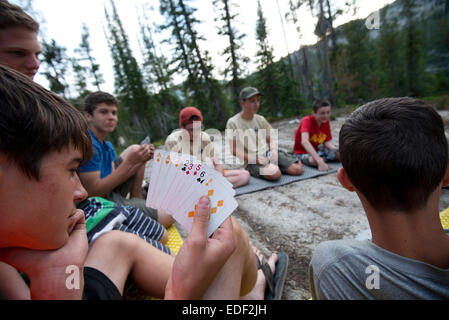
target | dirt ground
[{"x": 296, "y": 217}]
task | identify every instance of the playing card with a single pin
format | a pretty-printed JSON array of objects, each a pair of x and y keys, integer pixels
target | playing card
[
  {"x": 177, "y": 182},
  {"x": 194, "y": 170},
  {"x": 147, "y": 140},
  {"x": 171, "y": 181},
  {"x": 154, "y": 178},
  {"x": 205, "y": 178},
  {"x": 182, "y": 189},
  {"x": 222, "y": 204},
  {"x": 164, "y": 173}
]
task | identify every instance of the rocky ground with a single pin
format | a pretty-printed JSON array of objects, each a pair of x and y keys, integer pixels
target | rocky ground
[{"x": 295, "y": 218}]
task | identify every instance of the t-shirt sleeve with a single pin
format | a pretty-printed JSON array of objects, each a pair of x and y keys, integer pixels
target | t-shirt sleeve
[
  {"x": 231, "y": 124},
  {"x": 112, "y": 151},
  {"x": 305, "y": 125},
  {"x": 208, "y": 146},
  {"x": 170, "y": 143}
]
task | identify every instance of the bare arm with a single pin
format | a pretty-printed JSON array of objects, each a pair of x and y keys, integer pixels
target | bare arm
[
  {"x": 322, "y": 166},
  {"x": 47, "y": 269},
  {"x": 97, "y": 187},
  {"x": 134, "y": 157},
  {"x": 12, "y": 286},
  {"x": 329, "y": 145},
  {"x": 237, "y": 152}
]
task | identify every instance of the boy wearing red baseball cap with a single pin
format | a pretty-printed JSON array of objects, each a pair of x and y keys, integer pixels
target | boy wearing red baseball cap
[{"x": 190, "y": 139}]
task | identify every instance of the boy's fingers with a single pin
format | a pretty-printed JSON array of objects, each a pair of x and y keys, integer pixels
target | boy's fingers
[{"x": 201, "y": 218}]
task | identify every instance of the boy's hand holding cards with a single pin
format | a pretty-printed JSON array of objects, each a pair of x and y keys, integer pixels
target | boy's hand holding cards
[{"x": 178, "y": 181}]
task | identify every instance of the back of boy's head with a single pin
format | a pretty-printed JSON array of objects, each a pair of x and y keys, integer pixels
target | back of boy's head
[
  {"x": 92, "y": 100},
  {"x": 13, "y": 16},
  {"x": 35, "y": 122},
  {"x": 394, "y": 152},
  {"x": 317, "y": 104}
]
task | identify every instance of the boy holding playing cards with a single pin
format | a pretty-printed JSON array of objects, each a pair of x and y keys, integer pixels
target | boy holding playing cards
[
  {"x": 107, "y": 176},
  {"x": 43, "y": 234},
  {"x": 195, "y": 142},
  {"x": 251, "y": 141}
]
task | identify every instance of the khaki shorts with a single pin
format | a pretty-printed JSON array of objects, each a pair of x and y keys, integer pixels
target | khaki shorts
[{"x": 285, "y": 160}]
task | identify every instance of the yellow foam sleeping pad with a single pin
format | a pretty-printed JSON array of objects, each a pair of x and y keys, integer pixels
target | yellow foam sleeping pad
[{"x": 444, "y": 216}]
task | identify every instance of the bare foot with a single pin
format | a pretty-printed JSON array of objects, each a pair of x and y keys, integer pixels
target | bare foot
[{"x": 258, "y": 292}]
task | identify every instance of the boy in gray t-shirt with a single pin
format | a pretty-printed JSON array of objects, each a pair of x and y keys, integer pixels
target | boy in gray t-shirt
[{"x": 394, "y": 155}]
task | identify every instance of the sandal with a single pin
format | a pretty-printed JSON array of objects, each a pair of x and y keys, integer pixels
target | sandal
[{"x": 275, "y": 283}]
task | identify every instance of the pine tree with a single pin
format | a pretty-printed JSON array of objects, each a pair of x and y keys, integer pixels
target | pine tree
[
  {"x": 321, "y": 31},
  {"x": 158, "y": 75},
  {"x": 84, "y": 52},
  {"x": 414, "y": 50},
  {"x": 267, "y": 75},
  {"x": 359, "y": 57},
  {"x": 80, "y": 72},
  {"x": 212, "y": 91},
  {"x": 234, "y": 58},
  {"x": 201, "y": 88},
  {"x": 390, "y": 68},
  {"x": 56, "y": 64},
  {"x": 305, "y": 76},
  {"x": 135, "y": 111}
]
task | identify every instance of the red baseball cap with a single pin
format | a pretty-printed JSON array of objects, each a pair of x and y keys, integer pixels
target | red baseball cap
[{"x": 186, "y": 115}]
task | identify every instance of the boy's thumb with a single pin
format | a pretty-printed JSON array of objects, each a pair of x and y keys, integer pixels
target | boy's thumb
[{"x": 202, "y": 216}]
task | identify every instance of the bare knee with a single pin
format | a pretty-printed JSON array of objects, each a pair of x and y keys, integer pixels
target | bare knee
[
  {"x": 244, "y": 177},
  {"x": 116, "y": 241},
  {"x": 273, "y": 177},
  {"x": 110, "y": 248},
  {"x": 164, "y": 218},
  {"x": 271, "y": 172},
  {"x": 295, "y": 169},
  {"x": 164, "y": 238}
]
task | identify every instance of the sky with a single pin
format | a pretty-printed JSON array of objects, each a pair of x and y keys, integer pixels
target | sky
[{"x": 63, "y": 20}]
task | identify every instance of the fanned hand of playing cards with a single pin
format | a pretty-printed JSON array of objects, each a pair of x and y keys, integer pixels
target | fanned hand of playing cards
[{"x": 178, "y": 181}]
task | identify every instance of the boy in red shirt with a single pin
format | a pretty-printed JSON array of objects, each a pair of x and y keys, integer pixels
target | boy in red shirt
[{"x": 313, "y": 138}]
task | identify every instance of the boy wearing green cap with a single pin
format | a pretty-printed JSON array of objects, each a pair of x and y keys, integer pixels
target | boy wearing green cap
[{"x": 253, "y": 141}]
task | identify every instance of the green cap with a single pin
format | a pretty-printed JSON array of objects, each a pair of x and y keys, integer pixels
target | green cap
[{"x": 248, "y": 92}]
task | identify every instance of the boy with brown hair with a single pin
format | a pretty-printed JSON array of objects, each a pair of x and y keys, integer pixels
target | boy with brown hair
[
  {"x": 313, "y": 138},
  {"x": 395, "y": 157},
  {"x": 106, "y": 175},
  {"x": 19, "y": 47}
]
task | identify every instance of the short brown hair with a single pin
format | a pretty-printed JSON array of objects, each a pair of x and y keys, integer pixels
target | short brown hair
[
  {"x": 35, "y": 122},
  {"x": 13, "y": 16},
  {"x": 394, "y": 152},
  {"x": 319, "y": 104},
  {"x": 92, "y": 100}
]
